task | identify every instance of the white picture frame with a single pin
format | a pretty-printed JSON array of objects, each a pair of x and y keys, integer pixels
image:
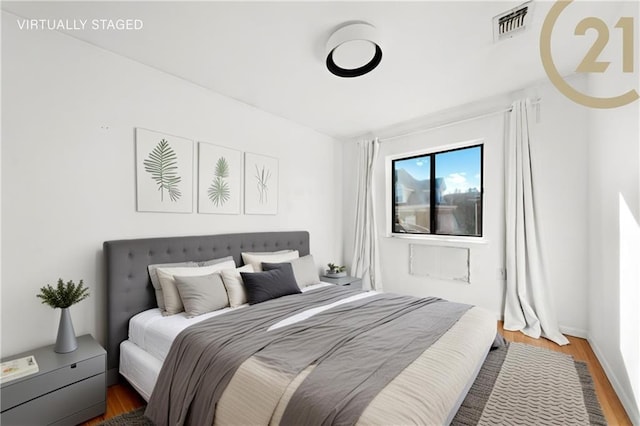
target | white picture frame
[
  {"x": 164, "y": 172},
  {"x": 219, "y": 179},
  {"x": 260, "y": 184}
]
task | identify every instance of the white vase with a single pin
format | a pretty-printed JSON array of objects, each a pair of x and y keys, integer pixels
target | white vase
[{"x": 66, "y": 340}]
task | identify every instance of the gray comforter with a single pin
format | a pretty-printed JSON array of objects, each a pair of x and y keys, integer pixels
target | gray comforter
[{"x": 357, "y": 349}]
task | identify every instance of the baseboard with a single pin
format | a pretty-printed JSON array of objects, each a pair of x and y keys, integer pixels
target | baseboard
[
  {"x": 572, "y": 331},
  {"x": 625, "y": 399}
]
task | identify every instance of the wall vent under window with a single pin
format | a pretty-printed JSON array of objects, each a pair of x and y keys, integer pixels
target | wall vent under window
[
  {"x": 443, "y": 263},
  {"x": 512, "y": 22}
]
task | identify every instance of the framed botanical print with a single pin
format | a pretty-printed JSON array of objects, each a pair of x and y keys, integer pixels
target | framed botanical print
[
  {"x": 164, "y": 172},
  {"x": 219, "y": 179},
  {"x": 260, "y": 184}
]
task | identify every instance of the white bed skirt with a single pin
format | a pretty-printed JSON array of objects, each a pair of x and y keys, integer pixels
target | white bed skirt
[{"x": 139, "y": 368}]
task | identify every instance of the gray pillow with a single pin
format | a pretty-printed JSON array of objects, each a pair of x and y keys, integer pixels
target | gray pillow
[
  {"x": 202, "y": 294},
  {"x": 304, "y": 270},
  {"x": 172, "y": 301},
  {"x": 155, "y": 281}
]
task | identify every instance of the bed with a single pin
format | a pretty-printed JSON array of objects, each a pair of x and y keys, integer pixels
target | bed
[{"x": 427, "y": 389}]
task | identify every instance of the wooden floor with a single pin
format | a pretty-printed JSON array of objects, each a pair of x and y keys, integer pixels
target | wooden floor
[
  {"x": 122, "y": 398},
  {"x": 581, "y": 351}
]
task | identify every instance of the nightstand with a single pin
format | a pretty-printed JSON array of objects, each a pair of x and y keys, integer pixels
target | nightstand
[
  {"x": 351, "y": 282},
  {"x": 68, "y": 389}
]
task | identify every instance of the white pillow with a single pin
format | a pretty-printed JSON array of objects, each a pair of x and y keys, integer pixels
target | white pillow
[
  {"x": 153, "y": 274},
  {"x": 256, "y": 259},
  {"x": 215, "y": 261},
  {"x": 172, "y": 302},
  {"x": 269, "y": 252},
  {"x": 233, "y": 283},
  {"x": 156, "y": 282}
]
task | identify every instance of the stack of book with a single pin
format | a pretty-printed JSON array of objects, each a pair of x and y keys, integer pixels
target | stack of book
[{"x": 17, "y": 368}]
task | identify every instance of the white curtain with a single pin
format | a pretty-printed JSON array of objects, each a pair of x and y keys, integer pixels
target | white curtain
[
  {"x": 365, "y": 253},
  {"x": 528, "y": 306}
]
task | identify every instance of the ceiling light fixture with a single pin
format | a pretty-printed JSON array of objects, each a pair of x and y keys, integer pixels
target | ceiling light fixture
[{"x": 353, "y": 50}]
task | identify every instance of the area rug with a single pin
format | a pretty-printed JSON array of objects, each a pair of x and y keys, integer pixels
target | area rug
[
  {"x": 521, "y": 384},
  {"x": 517, "y": 384}
]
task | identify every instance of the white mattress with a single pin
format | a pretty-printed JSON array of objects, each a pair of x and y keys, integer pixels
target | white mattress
[
  {"x": 151, "y": 335},
  {"x": 154, "y": 333}
]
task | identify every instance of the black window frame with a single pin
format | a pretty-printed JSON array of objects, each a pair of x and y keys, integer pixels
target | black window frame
[{"x": 433, "y": 220}]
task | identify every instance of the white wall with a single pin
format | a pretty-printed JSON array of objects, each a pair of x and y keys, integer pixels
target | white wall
[
  {"x": 614, "y": 235},
  {"x": 68, "y": 185},
  {"x": 484, "y": 288},
  {"x": 560, "y": 153}
]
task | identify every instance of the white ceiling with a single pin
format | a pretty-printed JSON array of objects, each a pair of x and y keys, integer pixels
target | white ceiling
[{"x": 437, "y": 55}]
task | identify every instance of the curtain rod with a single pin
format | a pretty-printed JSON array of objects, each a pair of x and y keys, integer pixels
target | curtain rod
[{"x": 457, "y": 121}]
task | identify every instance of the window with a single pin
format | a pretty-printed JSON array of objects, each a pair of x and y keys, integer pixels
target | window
[{"x": 438, "y": 193}]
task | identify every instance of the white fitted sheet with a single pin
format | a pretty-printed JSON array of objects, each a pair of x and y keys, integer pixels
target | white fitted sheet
[
  {"x": 151, "y": 335},
  {"x": 154, "y": 333}
]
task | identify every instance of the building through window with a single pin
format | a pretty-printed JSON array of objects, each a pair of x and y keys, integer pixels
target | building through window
[{"x": 438, "y": 193}]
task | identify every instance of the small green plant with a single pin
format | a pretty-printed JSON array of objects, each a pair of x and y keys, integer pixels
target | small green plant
[
  {"x": 334, "y": 269},
  {"x": 64, "y": 295}
]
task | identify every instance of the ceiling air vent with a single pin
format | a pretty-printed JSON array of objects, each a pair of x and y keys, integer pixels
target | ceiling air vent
[{"x": 512, "y": 22}]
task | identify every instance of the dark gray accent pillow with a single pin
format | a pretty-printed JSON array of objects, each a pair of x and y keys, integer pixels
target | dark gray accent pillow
[
  {"x": 267, "y": 285},
  {"x": 202, "y": 294}
]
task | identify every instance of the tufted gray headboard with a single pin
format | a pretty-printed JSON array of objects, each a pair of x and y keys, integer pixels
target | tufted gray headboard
[{"x": 129, "y": 289}]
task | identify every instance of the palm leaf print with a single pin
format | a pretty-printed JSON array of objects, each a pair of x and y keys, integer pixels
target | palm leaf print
[
  {"x": 162, "y": 164},
  {"x": 219, "y": 191},
  {"x": 222, "y": 168}
]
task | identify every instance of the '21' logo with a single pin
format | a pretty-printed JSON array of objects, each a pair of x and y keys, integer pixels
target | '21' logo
[{"x": 590, "y": 63}]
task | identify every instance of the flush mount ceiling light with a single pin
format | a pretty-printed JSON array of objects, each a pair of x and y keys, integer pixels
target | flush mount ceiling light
[{"x": 353, "y": 50}]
